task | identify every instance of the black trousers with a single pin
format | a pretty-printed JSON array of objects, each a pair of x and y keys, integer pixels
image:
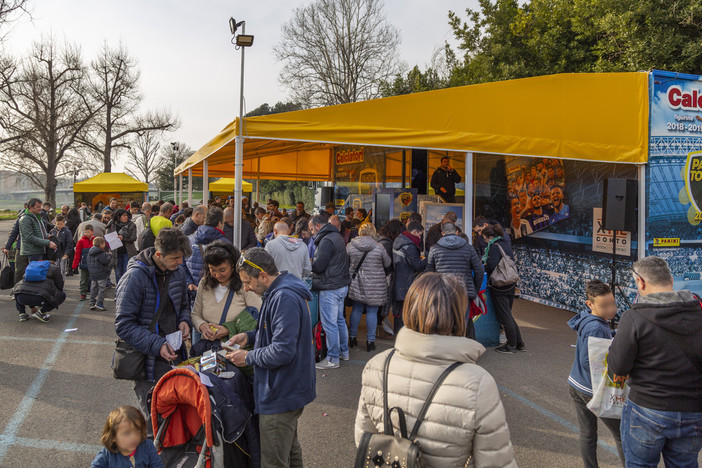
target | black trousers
[
  {"x": 503, "y": 300},
  {"x": 587, "y": 423}
]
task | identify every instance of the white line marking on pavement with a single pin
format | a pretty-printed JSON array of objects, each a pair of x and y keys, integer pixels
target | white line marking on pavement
[
  {"x": 52, "y": 340},
  {"x": 54, "y": 445},
  {"x": 9, "y": 435}
]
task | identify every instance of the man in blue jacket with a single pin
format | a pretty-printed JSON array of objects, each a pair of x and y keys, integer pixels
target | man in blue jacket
[
  {"x": 155, "y": 281},
  {"x": 591, "y": 322},
  {"x": 283, "y": 356}
]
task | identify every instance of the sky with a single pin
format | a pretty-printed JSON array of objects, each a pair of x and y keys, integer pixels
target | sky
[{"x": 188, "y": 64}]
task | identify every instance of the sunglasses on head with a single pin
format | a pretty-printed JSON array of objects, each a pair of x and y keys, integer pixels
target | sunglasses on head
[{"x": 243, "y": 260}]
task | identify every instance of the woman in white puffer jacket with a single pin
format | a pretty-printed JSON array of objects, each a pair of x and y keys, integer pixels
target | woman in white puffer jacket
[{"x": 465, "y": 424}]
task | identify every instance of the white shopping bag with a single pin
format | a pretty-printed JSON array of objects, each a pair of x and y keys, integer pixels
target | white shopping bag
[{"x": 608, "y": 398}]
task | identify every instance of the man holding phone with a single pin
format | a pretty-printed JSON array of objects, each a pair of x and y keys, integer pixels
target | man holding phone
[
  {"x": 152, "y": 302},
  {"x": 444, "y": 181}
]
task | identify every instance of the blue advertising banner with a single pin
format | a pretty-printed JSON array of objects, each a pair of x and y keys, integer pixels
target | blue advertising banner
[{"x": 674, "y": 175}]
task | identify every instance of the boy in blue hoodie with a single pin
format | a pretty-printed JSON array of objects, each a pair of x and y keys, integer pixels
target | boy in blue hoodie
[{"x": 593, "y": 321}]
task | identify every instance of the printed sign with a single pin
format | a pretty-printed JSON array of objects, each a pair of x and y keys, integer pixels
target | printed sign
[
  {"x": 536, "y": 194},
  {"x": 602, "y": 238},
  {"x": 350, "y": 156},
  {"x": 693, "y": 180},
  {"x": 666, "y": 242}
]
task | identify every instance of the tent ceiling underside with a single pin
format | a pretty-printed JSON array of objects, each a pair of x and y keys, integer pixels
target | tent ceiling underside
[{"x": 599, "y": 117}]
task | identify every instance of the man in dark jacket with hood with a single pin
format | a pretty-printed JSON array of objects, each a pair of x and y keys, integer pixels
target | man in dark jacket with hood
[
  {"x": 658, "y": 346},
  {"x": 154, "y": 289},
  {"x": 330, "y": 276},
  {"x": 47, "y": 295},
  {"x": 204, "y": 236},
  {"x": 248, "y": 236},
  {"x": 454, "y": 255},
  {"x": 407, "y": 262},
  {"x": 283, "y": 356}
]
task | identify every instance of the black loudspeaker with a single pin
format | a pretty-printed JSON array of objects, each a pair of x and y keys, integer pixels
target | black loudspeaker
[
  {"x": 619, "y": 203},
  {"x": 326, "y": 195}
]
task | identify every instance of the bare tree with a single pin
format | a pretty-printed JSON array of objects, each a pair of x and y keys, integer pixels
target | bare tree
[
  {"x": 115, "y": 88},
  {"x": 43, "y": 112},
  {"x": 10, "y": 10},
  {"x": 337, "y": 51},
  {"x": 144, "y": 156}
]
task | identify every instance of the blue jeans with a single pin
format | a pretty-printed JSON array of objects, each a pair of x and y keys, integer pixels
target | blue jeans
[
  {"x": 647, "y": 433},
  {"x": 371, "y": 320},
  {"x": 121, "y": 266},
  {"x": 331, "y": 308}
]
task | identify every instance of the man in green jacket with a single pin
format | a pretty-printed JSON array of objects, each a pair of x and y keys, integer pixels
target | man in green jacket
[{"x": 34, "y": 238}]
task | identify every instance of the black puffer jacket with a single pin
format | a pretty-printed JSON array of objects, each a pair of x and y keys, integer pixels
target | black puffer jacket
[
  {"x": 49, "y": 289},
  {"x": 453, "y": 254},
  {"x": 330, "y": 268},
  {"x": 407, "y": 263}
]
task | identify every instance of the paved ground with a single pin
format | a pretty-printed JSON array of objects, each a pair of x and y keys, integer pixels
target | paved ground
[{"x": 56, "y": 390}]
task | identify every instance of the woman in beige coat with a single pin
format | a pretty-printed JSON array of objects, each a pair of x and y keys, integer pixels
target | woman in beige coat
[
  {"x": 465, "y": 424},
  {"x": 220, "y": 279}
]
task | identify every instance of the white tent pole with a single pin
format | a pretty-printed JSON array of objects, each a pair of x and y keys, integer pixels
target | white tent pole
[
  {"x": 468, "y": 203},
  {"x": 180, "y": 189},
  {"x": 205, "y": 183},
  {"x": 641, "y": 241},
  {"x": 190, "y": 187}
]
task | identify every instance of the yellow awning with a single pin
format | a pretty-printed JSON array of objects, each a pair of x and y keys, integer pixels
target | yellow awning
[
  {"x": 111, "y": 182},
  {"x": 586, "y": 116},
  {"x": 226, "y": 184}
]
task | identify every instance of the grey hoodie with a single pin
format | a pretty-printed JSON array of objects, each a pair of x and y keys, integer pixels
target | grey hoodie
[{"x": 291, "y": 255}]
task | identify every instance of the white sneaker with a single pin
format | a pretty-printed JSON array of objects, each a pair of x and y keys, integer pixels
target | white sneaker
[
  {"x": 326, "y": 364},
  {"x": 503, "y": 338},
  {"x": 344, "y": 357}
]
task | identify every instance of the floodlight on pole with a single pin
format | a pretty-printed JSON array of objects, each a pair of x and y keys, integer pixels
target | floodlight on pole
[{"x": 242, "y": 41}]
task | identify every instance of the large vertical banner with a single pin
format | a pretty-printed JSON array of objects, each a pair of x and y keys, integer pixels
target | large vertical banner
[
  {"x": 674, "y": 176},
  {"x": 536, "y": 189}
]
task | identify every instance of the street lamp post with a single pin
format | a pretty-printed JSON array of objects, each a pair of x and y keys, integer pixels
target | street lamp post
[{"x": 243, "y": 41}]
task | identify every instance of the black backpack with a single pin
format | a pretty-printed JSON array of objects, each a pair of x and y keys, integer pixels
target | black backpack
[{"x": 146, "y": 237}]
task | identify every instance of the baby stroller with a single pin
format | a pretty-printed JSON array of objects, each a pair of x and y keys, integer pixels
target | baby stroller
[{"x": 204, "y": 426}]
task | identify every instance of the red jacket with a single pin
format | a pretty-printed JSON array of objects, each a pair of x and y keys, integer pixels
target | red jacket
[{"x": 84, "y": 242}]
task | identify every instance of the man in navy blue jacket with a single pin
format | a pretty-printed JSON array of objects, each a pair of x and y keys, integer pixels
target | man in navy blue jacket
[
  {"x": 283, "y": 356},
  {"x": 156, "y": 277}
]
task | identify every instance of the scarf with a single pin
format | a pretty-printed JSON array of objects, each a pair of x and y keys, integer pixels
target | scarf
[
  {"x": 487, "y": 248},
  {"x": 416, "y": 240}
]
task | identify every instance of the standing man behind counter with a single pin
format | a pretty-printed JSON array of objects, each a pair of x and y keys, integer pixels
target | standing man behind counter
[{"x": 444, "y": 180}]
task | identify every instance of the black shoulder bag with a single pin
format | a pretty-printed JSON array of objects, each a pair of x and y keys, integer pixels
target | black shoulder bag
[
  {"x": 199, "y": 348},
  {"x": 348, "y": 302},
  {"x": 128, "y": 363},
  {"x": 387, "y": 448}
]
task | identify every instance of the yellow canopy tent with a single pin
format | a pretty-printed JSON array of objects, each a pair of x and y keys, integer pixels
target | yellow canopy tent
[
  {"x": 111, "y": 182},
  {"x": 589, "y": 116},
  {"x": 226, "y": 184}
]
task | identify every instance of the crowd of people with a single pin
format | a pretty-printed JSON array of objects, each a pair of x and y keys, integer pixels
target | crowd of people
[{"x": 178, "y": 273}]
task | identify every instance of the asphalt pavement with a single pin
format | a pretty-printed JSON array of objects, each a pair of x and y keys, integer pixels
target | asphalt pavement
[{"x": 56, "y": 390}]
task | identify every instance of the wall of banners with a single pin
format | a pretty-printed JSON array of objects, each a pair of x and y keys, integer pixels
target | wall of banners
[{"x": 674, "y": 176}]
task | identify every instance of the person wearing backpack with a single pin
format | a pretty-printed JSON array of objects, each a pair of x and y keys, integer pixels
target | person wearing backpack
[
  {"x": 502, "y": 296},
  {"x": 463, "y": 422},
  {"x": 42, "y": 288}
]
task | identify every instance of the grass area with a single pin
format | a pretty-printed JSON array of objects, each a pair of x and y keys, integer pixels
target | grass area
[{"x": 8, "y": 214}]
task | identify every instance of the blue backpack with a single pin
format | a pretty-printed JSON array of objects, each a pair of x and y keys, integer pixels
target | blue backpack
[{"x": 37, "y": 270}]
